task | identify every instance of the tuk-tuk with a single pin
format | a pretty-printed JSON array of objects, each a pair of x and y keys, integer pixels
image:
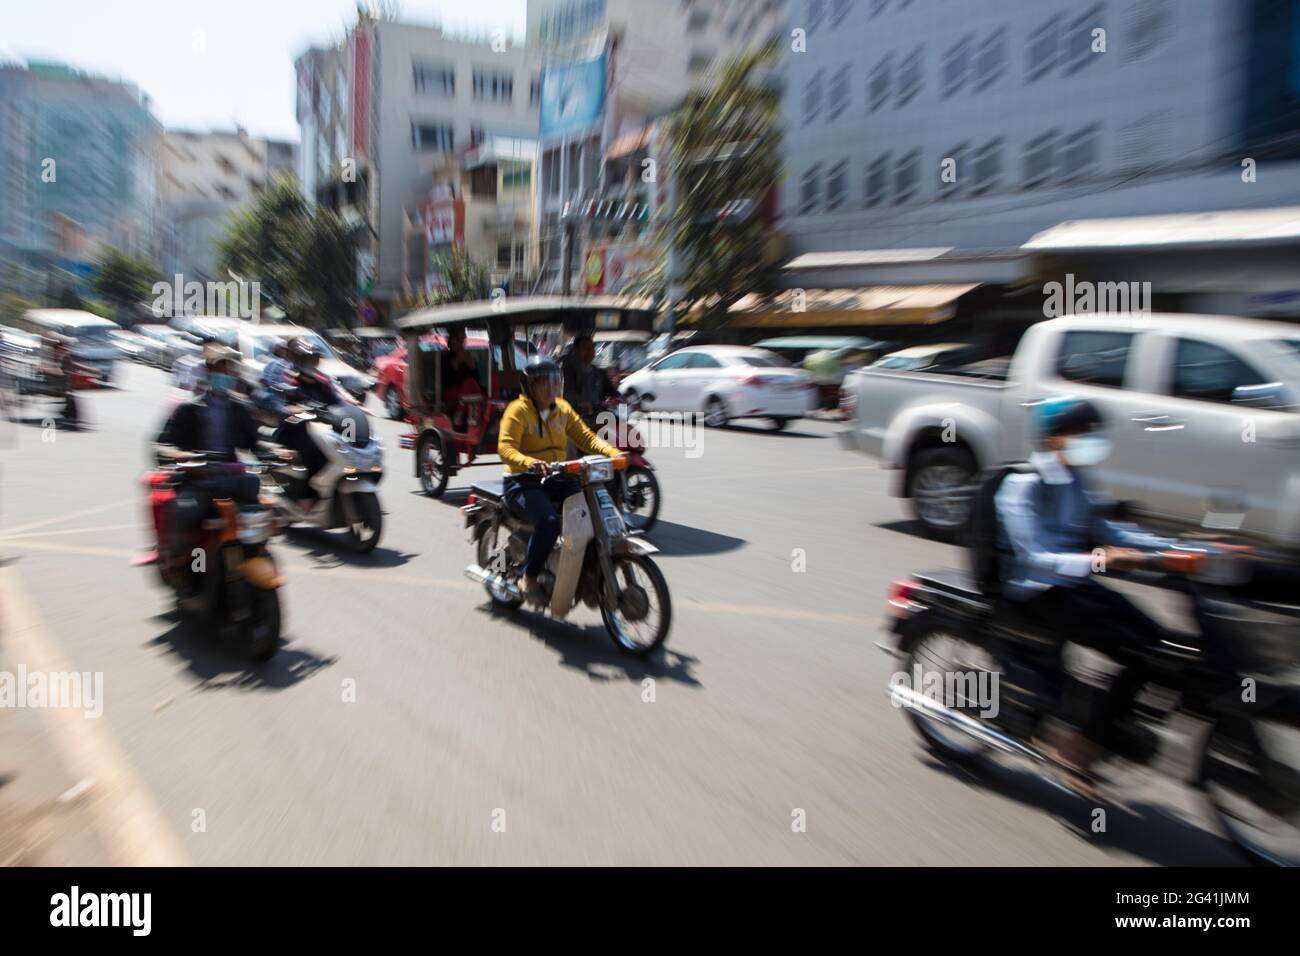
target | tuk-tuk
[
  {"x": 449, "y": 436},
  {"x": 621, "y": 352}
]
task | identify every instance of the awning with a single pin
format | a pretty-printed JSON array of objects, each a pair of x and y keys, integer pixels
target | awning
[
  {"x": 874, "y": 305},
  {"x": 1238, "y": 227}
]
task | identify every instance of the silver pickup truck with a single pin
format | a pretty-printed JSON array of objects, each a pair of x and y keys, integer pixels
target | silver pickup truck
[{"x": 1203, "y": 413}]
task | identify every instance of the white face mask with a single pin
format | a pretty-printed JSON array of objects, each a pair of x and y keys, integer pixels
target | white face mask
[{"x": 1084, "y": 451}]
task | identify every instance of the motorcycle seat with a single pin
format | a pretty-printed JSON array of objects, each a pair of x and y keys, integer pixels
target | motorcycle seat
[
  {"x": 488, "y": 488},
  {"x": 952, "y": 580}
]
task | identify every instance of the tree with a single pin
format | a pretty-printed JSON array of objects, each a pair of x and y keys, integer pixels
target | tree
[
  {"x": 122, "y": 281},
  {"x": 463, "y": 278},
  {"x": 303, "y": 260},
  {"x": 724, "y": 152}
]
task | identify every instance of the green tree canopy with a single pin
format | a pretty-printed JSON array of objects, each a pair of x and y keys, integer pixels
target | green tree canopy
[{"x": 123, "y": 281}]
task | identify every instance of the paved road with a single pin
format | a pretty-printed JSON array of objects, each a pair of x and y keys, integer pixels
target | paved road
[{"x": 769, "y": 700}]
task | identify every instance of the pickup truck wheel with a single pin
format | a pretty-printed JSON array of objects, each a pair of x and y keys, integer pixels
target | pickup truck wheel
[
  {"x": 393, "y": 404},
  {"x": 939, "y": 487}
]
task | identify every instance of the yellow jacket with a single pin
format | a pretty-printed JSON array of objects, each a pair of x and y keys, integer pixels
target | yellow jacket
[{"x": 525, "y": 438}]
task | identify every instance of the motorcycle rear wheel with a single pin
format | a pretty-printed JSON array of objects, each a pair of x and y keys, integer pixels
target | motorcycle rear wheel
[
  {"x": 1241, "y": 769},
  {"x": 639, "y": 498},
  {"x": 489, "y": 539},
  {"x": 935, "y": 649},
  {"x": 637, "y": 577}
]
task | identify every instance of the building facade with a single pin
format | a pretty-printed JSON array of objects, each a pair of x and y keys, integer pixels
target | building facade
[
  {"x": 79, "y": 172},
  {"x": 206, "y": 176},
  {"x": 379, "y": 111}
]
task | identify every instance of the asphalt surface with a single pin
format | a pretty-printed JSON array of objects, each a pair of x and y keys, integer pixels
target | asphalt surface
[{"x": 403, "y": 722}]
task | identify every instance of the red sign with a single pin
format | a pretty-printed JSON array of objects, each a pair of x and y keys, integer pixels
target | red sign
[{"x": 360, "y": 93}]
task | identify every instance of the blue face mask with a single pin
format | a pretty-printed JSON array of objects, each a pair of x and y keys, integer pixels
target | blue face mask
[{"x": 220, "y": 382}]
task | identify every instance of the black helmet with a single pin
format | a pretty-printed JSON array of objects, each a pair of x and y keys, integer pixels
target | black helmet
[
  {"x": 300, "y": 350},
  {"x": 541, "y": 369}
]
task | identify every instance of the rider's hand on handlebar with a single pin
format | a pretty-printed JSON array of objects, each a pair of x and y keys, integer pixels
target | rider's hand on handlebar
[
  {"x": 540, "y": 468},
  {"x": 1124, "y": 559}
]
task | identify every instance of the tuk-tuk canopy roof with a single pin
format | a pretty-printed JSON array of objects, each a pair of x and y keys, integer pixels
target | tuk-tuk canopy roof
[{"x": 586, "y": 312}]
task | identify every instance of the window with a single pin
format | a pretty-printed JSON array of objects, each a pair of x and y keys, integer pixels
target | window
[
  {"x": 760, "y": 361},
  {"x": 839, "y": 92},
  {"x": 436, "y": 79},
  {"x": 907, "y": 176},
  {"x": 987, "y": 167},
  {"x": 1082, "y": 152},
  {"x": 816, "y": 10},
  {"x": 877, "y": 184},
  {"x": 493, "y": 85},
  {"x": 1044, "y": 47},
  {"x": 698, "y": 20},
  {"x": 809, "y": 189},
  {"x": 676, "y": 361},
  {"x": 812, "y": 98},
  {"x": 836, "y": 185},
  {"x": 1078, "y": 42},
  {"x": 700, "y": 61},
  {"x": 703, "y": 360},
  {"x": 1209, "y": 373},
  {"x": 535, "y": 91},
  {"x": 1148, "y": 27},
  {"x": 433, "y": 137},
  {"x": 1094, "y": 358},
  {"x": 878, "y": 83},
  {"x": 909, "y": 78},
  {"x": 991, "y": 60},
  {"x": 476, "y": 135},
  {"x": 956, "y": 66},
  {"x": 958, "y": 157},
  {"x": 1040, "y": 158}
]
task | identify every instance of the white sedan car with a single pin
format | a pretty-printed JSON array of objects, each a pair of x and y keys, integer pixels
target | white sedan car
[{"x": 723, "y": 382}]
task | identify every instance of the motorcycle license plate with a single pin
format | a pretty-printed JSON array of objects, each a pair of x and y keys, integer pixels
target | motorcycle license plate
[{"x": 608, "y": 512}]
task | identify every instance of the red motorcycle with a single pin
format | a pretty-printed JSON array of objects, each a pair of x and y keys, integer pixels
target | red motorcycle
[{"x": 636, "y": 491}]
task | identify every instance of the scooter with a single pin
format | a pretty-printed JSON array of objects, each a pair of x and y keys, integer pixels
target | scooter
[
  {"x": 595, "y": 561},
  {"x": 975, "y": 680},
  {"x": 344, "y": 493},
  {"x": 636, "y": 489},
  {"x": 227, "y": 581}
]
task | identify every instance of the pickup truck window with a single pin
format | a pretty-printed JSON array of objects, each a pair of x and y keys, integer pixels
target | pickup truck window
[
  {"x": 1210, "y": 373},
  {"x": 1094, "y": 357}
]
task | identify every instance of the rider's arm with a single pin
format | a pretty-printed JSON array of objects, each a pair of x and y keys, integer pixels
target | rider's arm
[
  {"x": 512, "y": 430},
  {"x": 176, "y": 436},
  {"x": 1017, "y": 508},
  {"x": 582, "y": 436},
  {"x": 1126, "y": 534}
]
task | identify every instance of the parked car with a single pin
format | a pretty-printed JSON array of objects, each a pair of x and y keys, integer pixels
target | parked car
[
  {"x": 93, "y": 344},
  {"x": 1203, "y": 413},
  {"x": 723, "y": 382},
  {"x": 390, "y": 372}
]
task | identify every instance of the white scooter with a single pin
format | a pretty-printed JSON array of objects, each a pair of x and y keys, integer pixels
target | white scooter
[{"x": 344, "y": 493}]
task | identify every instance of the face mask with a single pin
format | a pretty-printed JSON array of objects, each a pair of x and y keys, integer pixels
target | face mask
[
  {"x": 1086, "y": 450},
  {"x": 220, "y": 382}
]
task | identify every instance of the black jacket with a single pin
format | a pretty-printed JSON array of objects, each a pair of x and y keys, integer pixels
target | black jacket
[{"x": 184, "y": 430}]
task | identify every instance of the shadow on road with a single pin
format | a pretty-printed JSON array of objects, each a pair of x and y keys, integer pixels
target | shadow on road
[
  {"x": 678, "y": 540},
  {"x": 788, "y": 432},
  {"x": 1142, "y": 829},
  {"x": 588, "y": 649},
  {"x": 330, "y": 549},
  {"x": 216, "y": 665},
  {"x": 908, "y": 526}
]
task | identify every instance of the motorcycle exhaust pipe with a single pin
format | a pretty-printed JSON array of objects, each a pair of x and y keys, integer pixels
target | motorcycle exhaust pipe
[
  {"x": 933, "y": 710},
  {"x": 491, "y": 579}
]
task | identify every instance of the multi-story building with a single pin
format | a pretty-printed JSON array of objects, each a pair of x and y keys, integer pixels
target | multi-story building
[
  {"x": 381, "y": 109},
  {"x": 206, "y": 177},
  {"x": 962, "y": 130},
  {"x": 79, "y": 169},
  {"x": 657, "y": 52}
]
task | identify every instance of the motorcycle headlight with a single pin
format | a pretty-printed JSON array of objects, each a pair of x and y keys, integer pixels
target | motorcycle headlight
[{"x": 600, "y": 470}]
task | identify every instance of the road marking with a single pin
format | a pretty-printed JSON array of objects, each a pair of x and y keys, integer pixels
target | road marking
[
  {"x": 125, "y": 814},
  {"x": 761, "y": 473},
  {"x": 45, "y": 534},
  {"x": 68, "y": 517},
  {"x": 458, "y": 584}
]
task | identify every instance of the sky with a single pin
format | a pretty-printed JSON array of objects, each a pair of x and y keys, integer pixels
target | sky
[{"x": 214, "y": 63}]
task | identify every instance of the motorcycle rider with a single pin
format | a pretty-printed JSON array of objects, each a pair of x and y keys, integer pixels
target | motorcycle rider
[
  {"x": 217, "y": 423},
  {"x": 1050, "y": 522},
  {"x": 534, "y": 429}
]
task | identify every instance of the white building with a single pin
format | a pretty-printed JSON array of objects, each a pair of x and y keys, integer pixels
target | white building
[
  {"x": 961, "y": 128},
  {"x": 380, "y": 110},
  {"x": 661, "y": 49},
  {"x": 206, "y": 177}
]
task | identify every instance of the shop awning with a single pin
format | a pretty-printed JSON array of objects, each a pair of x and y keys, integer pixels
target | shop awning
[
  {"x": 874, "y": 305},
  {"x": 1238, "y": 227}
]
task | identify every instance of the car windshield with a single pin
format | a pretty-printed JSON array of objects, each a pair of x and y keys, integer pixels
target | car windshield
[
  {"x": 1293, "y": 346},
  {"x": 91, "y": 334},
  {"x": 896, "y": 362}
]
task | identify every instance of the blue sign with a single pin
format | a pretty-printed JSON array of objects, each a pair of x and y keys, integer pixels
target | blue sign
[{"x": 573, "y": 97}]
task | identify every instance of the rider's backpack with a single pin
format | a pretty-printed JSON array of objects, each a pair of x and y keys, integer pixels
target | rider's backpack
[{"x": 983, "y": 530}]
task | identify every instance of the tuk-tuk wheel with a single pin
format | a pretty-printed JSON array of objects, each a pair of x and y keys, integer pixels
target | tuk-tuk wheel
[{"x": 431, "y": 463}]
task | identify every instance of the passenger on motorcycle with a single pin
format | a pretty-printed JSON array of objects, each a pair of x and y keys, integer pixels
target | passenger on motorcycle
[
  {"x": 1055, "y": 536},
  {"x": 534, "y": 429}
]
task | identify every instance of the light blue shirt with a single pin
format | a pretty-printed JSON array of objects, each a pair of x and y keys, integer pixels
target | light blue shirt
[{"x": 1048, "y": 522}]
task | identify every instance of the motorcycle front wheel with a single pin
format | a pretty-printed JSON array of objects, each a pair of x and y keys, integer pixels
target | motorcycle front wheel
[
  {"x": 262, "y": 633},
  {"x": 1251, "y": 773},
  {"x": 639, "y": 622},
  {"x": 365, "y": 523}
]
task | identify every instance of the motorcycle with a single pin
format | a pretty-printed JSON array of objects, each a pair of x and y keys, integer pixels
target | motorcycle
[
  {"x": 952, "y": 638},
  {"x": 636, "y": 490},
  {"x": 595, "y": 561},
  {"x": 227, "y": 580},
  {"x": 344, "y": 492}
]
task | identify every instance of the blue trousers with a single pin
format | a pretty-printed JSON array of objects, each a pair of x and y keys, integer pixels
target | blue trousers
[{"x": 539, "y": 502}]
